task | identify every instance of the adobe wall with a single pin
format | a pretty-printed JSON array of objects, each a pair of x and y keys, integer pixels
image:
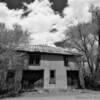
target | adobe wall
[{"x": 54, "y": 62}]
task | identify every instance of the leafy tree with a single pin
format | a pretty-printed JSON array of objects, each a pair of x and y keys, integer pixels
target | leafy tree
[{"x": 10, "y": 59}]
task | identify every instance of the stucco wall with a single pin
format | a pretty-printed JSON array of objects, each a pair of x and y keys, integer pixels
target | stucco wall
[{"x": 54, "y": 62}]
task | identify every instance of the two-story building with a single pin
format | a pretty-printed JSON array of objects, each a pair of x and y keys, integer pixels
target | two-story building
[{"x": 50, "y": 67}]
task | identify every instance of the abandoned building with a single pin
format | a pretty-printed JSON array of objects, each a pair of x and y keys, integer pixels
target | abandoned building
[{"x": 49, "y": 67}]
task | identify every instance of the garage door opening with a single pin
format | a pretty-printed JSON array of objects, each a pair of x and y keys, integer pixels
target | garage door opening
[
  {"x": 73, "y": 79},
  {"x": 32, "y": 79}
]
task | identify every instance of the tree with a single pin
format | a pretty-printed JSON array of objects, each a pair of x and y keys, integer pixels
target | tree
[
  {"x": 86, "y": 39},
  {"x": 9, "y": 57},
  {"x": 82, "y": 38},
  {"x": 96, "y": 19}
]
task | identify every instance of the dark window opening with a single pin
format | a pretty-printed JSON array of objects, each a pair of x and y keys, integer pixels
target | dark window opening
[
  {"x": 73, "y": 79},
  {"x": 34, "y": 59},
  {"x": 65, "y": 60},
  {"x": 52, "y": 77},
  {"x": 32, "y": 79},
  {"x": 10, "y": 76}
]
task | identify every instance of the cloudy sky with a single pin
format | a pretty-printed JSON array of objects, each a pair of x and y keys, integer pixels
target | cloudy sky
[{"x": 44, "y": 20}]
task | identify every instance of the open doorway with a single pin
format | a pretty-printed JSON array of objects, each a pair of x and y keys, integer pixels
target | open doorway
[
  {"x": 73, "y": 79},
  {"x": 32, "y": 79}
]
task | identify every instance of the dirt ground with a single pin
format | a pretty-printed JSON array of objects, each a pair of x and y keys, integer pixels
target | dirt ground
[{"x": 62, "y": 95}]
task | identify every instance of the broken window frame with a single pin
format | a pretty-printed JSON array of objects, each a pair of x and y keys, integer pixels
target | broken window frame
[
  {"x": 52, "y": 77},
  {"x": 34, "y": 59}
]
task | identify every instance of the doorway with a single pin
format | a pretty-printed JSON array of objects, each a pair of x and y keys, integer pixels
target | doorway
[
  {"x": 73, "y": 79},
  {"x": 32, "y": 79}
]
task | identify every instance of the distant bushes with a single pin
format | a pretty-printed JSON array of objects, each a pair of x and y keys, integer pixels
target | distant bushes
[
  {"x": 11, "y": 73},
  {"x": 9, "y": 85}
]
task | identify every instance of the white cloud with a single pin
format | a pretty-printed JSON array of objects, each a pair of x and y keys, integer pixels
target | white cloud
[
  {"x": 80, "y": 9},
  {"x": 9, "y": 17},
  {"x": 42, "y": 19}
]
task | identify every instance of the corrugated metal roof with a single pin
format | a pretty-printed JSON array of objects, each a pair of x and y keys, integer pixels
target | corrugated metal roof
[{"x": 45, "y": 49}]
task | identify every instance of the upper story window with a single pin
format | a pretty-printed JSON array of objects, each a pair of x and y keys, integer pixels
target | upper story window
[
  {"x": 65, "y": 60},
  {"x": 34, "y": 59}
]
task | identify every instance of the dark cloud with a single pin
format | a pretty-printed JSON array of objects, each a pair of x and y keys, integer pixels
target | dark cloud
[
  {"x": 58, "y": 5},
  {"x": 15, "y": 4}
]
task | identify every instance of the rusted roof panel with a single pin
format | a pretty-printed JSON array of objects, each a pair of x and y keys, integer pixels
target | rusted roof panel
[{"x": 45, "y": 49}]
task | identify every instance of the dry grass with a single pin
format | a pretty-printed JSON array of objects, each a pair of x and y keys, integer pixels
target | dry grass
[{"x": 59, "y": 95}]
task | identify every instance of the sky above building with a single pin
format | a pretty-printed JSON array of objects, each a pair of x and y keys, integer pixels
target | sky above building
[
  {"x": 47, "y": 22},
  {"x": 57, "y": 5}
]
